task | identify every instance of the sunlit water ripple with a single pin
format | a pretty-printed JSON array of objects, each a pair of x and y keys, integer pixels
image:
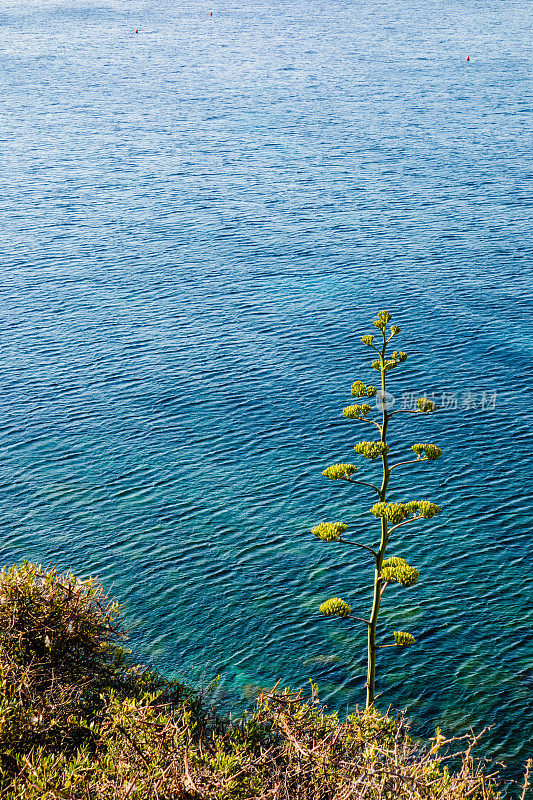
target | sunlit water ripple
[{"x": 198, "y": 223}]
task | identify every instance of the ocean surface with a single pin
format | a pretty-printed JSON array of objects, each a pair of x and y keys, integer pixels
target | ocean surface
[{"x": 198, "y": 222}]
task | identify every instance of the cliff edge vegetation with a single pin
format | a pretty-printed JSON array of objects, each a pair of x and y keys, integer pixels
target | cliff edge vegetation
[{"x": 78, "y": 723}]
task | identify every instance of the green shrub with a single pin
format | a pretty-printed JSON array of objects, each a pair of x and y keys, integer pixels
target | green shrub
[
  {"x": 77, "y": 724},
  {"x": 60, "y": 658}
]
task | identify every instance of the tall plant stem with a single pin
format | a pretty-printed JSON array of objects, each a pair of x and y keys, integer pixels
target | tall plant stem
[{"x": 371, "y": 675}]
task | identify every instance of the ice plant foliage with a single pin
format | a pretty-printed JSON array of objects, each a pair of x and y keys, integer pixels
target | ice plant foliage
[{"x": 391, "y": 515}]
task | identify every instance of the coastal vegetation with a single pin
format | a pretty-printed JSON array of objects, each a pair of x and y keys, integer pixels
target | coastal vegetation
[
  {"x": 77, "y": 722},
  {"x": 391, "y": 516}
]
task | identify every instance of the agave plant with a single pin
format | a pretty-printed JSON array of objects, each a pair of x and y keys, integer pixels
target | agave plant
[{"x": 391, "y": 516}]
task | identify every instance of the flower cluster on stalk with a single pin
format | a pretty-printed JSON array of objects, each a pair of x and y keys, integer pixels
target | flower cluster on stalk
[
  {"x": 335, "y": 607},
  {"x": 425, "y": 405},
  {"x": 397, "y": 570},
  {"x": 338, "y": 472},
  {"x": 381, "y": 322},
  {"x": 359, "y": 389},
  {"x": 329, "y": 531},
  {"x": 390, "y": 363},
  {"x": 357, "y": 411},
  {"x": 431, "y": 451},
  {"x": 403, "y": 639},
  {"x": 371, "y": 450},
  {"x": 397, "y": 512}
]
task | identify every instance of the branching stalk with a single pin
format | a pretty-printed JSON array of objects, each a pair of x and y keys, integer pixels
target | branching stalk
[
  {"x": 364, "y": 483},
  {"x": 403, "y": 463},
  {"x": 391, "y": 515},
  {"x": 358, "y": 544}
]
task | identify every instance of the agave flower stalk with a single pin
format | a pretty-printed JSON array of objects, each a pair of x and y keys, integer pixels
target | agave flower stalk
[{"x": 390, "y": 515}]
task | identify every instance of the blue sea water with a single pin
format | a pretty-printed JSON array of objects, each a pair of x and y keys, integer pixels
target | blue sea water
[{"x": 198, "y": 223}]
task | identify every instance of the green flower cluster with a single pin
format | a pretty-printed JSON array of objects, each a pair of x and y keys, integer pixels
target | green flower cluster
[
  {"x": 430, "y": 451},
  {"x": 339, "y": 471},
  {"x": 425, "y": 406},
  {"x": 335, "y": 607},
  {"x": 393, "y": 512},
  {"x": 426, "y": 509},
  {"x": 367, "y": 340},
  {"x": 397, "y": 512},
  {"x": 397, "y": 570},
  {"x": 357, "y": 412},
  {"x": 399, "y": 356},
  {"x": 329, "y": 531},
  {"x": 394, "y": 330},
  {"x": 403, "y": 638},
  {"x": 391, "y": 363},
  {"x": 371, "y": 449},
  {"x": 381, "y": 321},
  {"x": 360, "y": 390}
]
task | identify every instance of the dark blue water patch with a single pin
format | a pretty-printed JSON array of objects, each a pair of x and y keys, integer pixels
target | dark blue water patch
[{"x": 199, "y": 223}]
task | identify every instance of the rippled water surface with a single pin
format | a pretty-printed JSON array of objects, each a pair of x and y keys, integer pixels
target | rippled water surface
[{"x": 198, "y": 223}]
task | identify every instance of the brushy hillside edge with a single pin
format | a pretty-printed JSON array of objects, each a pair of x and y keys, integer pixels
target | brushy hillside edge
[{"x": 78, "y": 723}]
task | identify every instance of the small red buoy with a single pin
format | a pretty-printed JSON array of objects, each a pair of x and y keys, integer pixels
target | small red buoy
[
  {"x": 468, "y": 58},
  {"x": 136, "y": 30},
  {"x": 211, "y": 14}
]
